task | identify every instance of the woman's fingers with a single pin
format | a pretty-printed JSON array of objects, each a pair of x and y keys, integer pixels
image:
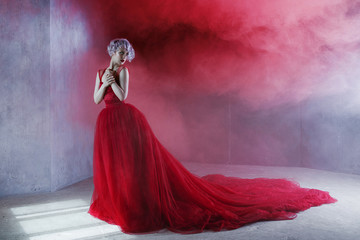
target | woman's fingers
[{"x": 110, "y": 81}]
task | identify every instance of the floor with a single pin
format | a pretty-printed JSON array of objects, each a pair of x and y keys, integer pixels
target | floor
[{"x": 63, "y": 214}]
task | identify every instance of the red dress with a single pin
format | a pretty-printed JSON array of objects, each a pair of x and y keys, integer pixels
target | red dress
[{"x": 141, "y": 187}]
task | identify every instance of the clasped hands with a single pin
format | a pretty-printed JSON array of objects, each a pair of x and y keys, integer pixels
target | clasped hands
[{"x": 109, "y": 77}]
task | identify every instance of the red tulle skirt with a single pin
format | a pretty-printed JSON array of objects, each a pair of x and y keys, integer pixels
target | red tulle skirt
[{"x": 141, "y": 187}]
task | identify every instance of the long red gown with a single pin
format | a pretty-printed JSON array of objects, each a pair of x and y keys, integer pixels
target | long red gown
[{"x": 141, "y": 187}]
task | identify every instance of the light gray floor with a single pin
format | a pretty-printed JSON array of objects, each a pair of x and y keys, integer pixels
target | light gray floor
[{"x": 63, "y": 214}]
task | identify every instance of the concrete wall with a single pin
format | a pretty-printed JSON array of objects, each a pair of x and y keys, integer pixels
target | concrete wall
[
  {"x": 50, "y": 53},
  {"x": 317, "y": 133},
  {"x": 25, "y": 97},
  {"x": 71, "y": 129},
  {"x": 44, "y": 146}
]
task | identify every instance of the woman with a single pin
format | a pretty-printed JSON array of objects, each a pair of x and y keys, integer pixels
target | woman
[{"x": 141, "y": 187}]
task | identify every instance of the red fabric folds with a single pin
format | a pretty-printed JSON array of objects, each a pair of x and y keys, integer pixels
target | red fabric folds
[{"x": 141, "y": 187}]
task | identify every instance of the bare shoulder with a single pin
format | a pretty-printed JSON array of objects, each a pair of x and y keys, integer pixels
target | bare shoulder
[
  {"x": 124, "y": 74},
  {"x": 125, "y": 69}
]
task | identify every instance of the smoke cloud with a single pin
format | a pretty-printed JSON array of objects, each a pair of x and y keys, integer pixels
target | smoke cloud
[{"x": 265, "y": 53}]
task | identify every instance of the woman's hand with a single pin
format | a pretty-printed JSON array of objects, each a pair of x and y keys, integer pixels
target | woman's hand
[{"x": 108, "y": 78}]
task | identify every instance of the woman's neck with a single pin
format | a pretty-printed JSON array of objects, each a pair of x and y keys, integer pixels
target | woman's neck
[{"x": 113, "y": 66}]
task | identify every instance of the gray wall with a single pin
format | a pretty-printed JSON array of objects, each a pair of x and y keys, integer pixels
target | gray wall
[
  {"x": 25, "y": 97},
  {"x": 70, "y": 126},
  {"x": 316, "y": 133},
  {"x": 49, "y": 59},
  {"x": 44, "y": 147}
]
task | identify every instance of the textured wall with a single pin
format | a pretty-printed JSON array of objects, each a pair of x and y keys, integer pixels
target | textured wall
[
  {"x": 25, "y": 97},
  {"x": 317, "y": 133},
  {"x": 247, "y": 83},
  {"x": 45, "y": 144},
  {"x": 71, "y": 137}
]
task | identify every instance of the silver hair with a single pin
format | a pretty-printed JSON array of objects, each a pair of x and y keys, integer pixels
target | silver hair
[{"x": 117, "y": 43}]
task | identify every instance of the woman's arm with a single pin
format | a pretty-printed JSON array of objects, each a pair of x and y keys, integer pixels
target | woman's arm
[
  {"x": 99, "y": 93},
  {"x": 124, "y": 81}
]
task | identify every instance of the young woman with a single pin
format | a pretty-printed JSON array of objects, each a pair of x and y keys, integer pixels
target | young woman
[{"x": 141, "y": 187}]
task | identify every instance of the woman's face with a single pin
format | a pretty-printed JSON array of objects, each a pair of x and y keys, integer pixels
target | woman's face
[{"x": 120, "y": 56}]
